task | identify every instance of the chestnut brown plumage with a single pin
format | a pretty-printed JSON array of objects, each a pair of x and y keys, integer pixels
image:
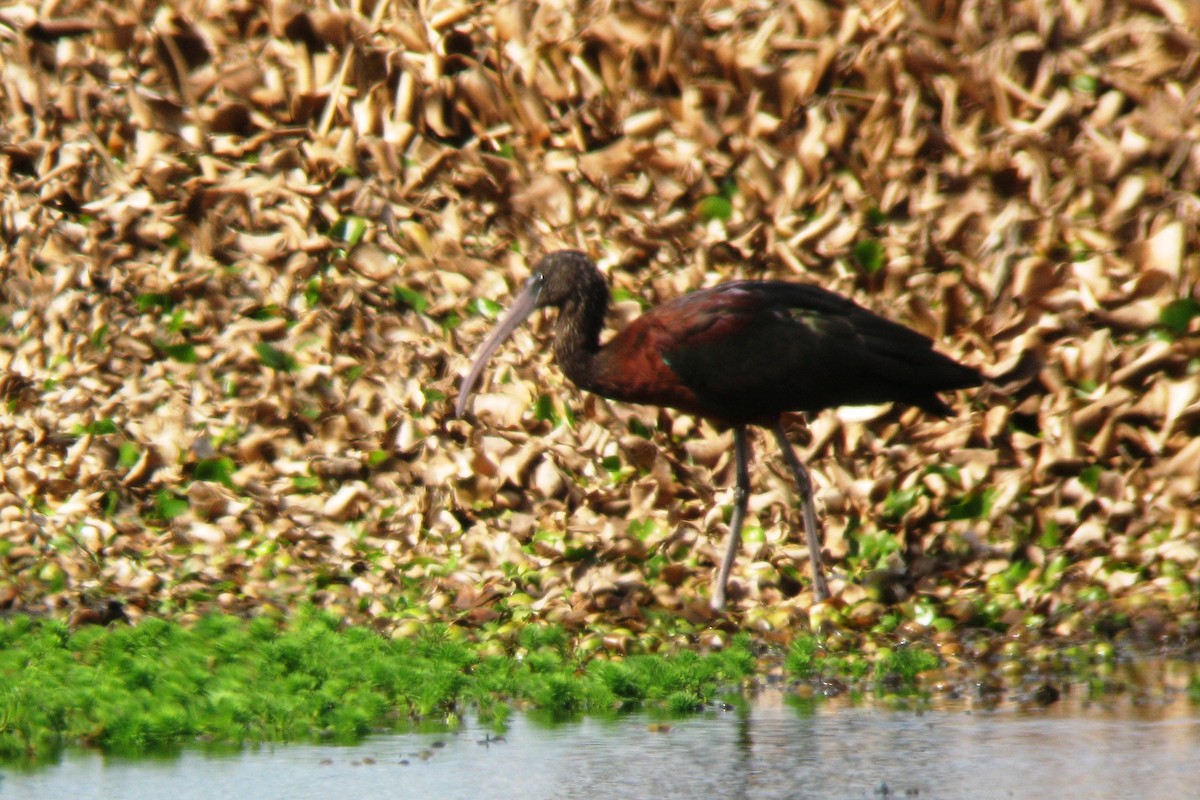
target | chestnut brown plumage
[{"x": 741, "y": 353}]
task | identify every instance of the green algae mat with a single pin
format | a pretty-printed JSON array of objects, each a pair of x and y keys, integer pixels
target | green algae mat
[{"x": 225, "y": 681}]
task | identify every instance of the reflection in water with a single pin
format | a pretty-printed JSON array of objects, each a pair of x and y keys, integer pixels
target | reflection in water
[{"x": 768, "y": 750}]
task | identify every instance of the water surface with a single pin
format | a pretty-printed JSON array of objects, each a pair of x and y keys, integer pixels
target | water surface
[{"x": 768, "y": 750}]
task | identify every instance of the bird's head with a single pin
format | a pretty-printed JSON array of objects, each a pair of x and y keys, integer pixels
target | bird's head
[
  {"x": 561, "y": 279},
  {"x": 564, "y": 277}
]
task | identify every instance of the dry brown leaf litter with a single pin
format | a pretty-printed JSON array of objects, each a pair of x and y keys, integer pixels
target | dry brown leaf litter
[{"x": 175, "y": 178}]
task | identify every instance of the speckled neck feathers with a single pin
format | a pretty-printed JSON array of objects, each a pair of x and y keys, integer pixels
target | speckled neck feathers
[{"x": 577, "y": 288}]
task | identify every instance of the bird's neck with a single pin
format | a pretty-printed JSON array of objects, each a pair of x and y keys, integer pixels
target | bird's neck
[{"x": 577, "y": 339}]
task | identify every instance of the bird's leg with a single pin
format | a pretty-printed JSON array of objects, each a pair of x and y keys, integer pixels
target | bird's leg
[
  {"x": 741, "y": 498},
  {"x": 804, "y": 484}
]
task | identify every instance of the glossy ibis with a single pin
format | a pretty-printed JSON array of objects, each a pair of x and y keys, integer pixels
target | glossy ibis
[{"x": 740, "y": 353}]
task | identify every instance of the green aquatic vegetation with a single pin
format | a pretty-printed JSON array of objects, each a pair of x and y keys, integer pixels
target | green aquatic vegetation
[
  {"x": 874, "y": 548},
  {"x": 896, "y": 669},
  {"x": 869, "y": 255},
  {"x": 899, "y": 502},
  {"x": 547, "y": 409},
  {"x": 803, "y": 659},
  {"x": 891, "y": 671},
  {"x": 409, "y": 298},
  {"x": 714, "y": 207},
  {"x": 183, "y": 352},
  {"x": 349, "y": 229},
  {"x": 276, "y": 359},
  {"x": 973, "y": 505},
  {"x": 218, "y": 470},
  {"x": 487, "y": 308},
  {"x": 1177, "y": 315},
  {"x": 154, "y": 302},
  {"x": 223, "y": 679},
  {"x": 101, "y": 427},
  {"x": 168, "y": 504}
]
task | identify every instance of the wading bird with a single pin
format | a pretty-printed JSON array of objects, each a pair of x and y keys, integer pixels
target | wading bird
[{"x": 741, "y": 353}]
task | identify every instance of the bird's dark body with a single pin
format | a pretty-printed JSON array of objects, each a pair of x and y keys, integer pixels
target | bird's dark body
[
  {"x": 746, "y": 351},
  {"x": 741, "y": 353}
]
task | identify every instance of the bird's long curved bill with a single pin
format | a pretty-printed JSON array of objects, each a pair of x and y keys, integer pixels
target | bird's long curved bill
[{"x": 525, "y": 303}]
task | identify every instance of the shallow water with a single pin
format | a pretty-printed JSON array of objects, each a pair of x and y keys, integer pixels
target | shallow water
[{"x": 768, "y": 750}]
